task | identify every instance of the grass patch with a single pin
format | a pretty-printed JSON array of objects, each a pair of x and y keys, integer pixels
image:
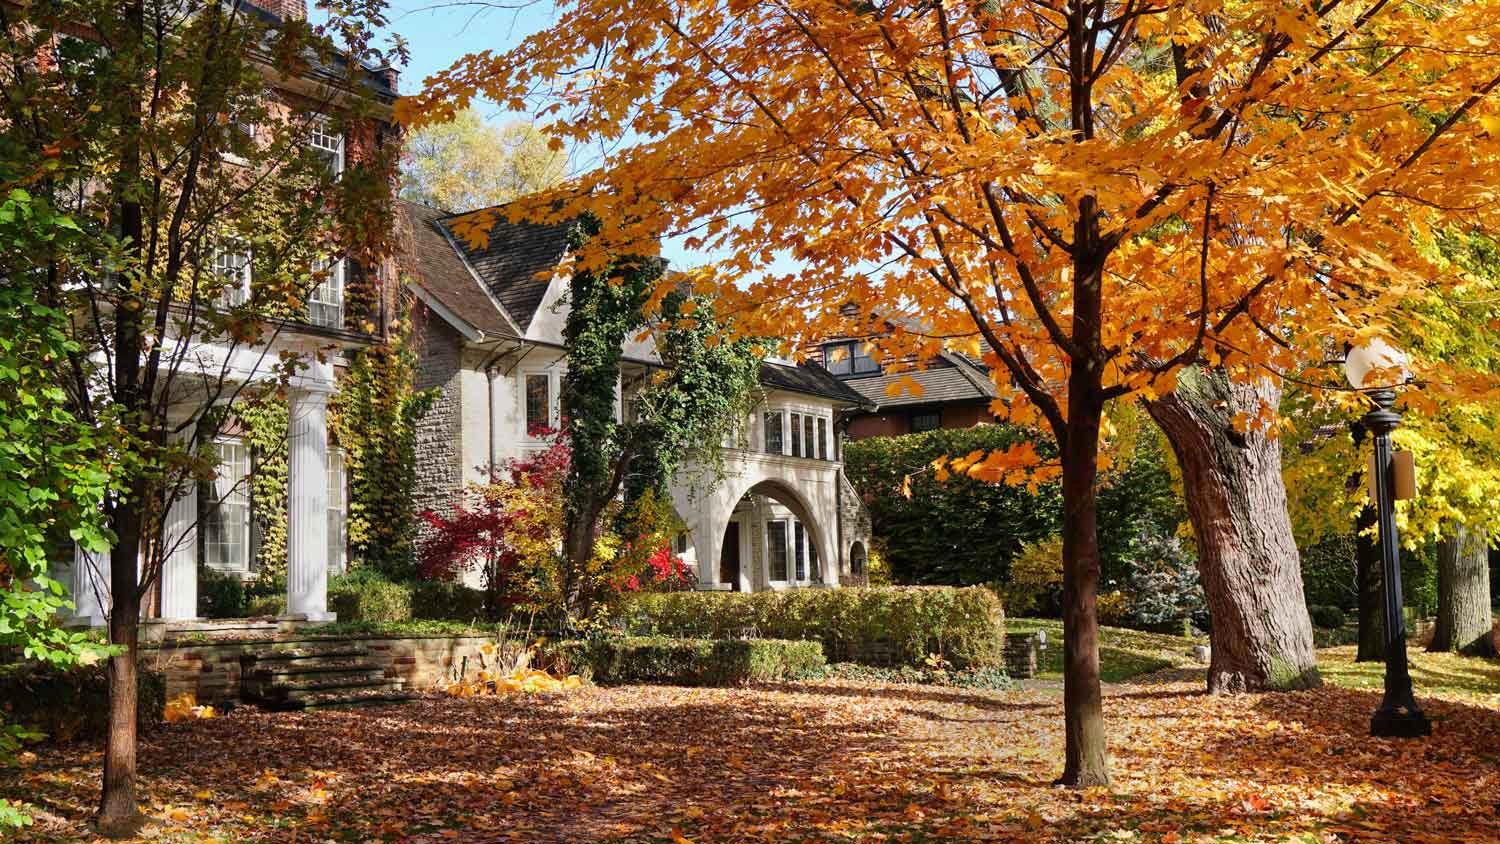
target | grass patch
[
  {"x": 1432, "y": 674},
  {"x": 1123, "y": 653}
]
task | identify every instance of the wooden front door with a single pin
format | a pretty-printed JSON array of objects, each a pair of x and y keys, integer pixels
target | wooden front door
[{"x": 729, "y": 556}]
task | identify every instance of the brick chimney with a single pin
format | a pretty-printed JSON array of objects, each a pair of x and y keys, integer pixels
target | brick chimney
[{"x": 284, "y": 9}]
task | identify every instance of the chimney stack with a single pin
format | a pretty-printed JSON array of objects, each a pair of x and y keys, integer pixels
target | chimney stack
[{"x": 285, "y": 9}]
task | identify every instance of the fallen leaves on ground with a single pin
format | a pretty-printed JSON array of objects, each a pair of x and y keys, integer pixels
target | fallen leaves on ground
[
  {"x": 184, "y": 707},
  {"x": 520, "y": 681},
  {"x": 816, "y": 762}
]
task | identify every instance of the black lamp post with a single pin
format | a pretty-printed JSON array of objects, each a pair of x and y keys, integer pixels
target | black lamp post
[{"x": 1398, "y": 715}]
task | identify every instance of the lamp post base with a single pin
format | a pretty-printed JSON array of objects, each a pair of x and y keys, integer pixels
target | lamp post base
[{"x": 1387, "y": 724}]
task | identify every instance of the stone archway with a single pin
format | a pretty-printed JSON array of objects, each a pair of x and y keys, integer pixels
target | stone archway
[{"x": 858, "y": 561}]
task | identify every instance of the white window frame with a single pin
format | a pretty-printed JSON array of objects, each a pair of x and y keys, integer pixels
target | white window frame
[
  {"x": 554, "y": 401},
  {"x": 795, "y": 446},
  {"x": 325, "y": 303},
  {"x": 824, "y": 425},
  {"x": 765, "y": 433},
  {"x": 338, "y": 512},
  {"x": 786, "y": 539},
  {"x": 320, "y": 138},
  {"x": 224, "y": 254},
  {"x": 229, "y": 491}
]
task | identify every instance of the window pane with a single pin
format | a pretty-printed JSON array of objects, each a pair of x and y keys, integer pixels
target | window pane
[
  {"x": 325, "y": 306},
  {"x": 799, "y": 537},
  {"x": 926, "y": 422},
  {"x": 224, "y": 505},
  {"x": 776, "y": 549},
  {"x": 232, "y": 266},
  {"x": 807, "y": 436},
  {"x": 336, "y": 510},
  {"x": 328, "y": 146},
  {"x": 797, "y": 434},
  {"x": 822, "y": 438},
  {"x": 773, "y": 432},
  {"x": 538, "y": 404},
  {"x": 836, "y": 358},
  {"x": 863, "y": 361}
]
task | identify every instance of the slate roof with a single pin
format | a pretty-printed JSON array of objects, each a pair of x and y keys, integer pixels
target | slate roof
[
  {"x": 510, "y": 261},
  {"x": 957, "y": 381},
  {"x": 808, "y": 378},
  {"x": 441, "y": 273}
]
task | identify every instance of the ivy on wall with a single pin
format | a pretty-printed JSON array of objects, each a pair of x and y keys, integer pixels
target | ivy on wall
[
  {"x": 374, "y": 418},
  {"x": 264, "y": 419}
]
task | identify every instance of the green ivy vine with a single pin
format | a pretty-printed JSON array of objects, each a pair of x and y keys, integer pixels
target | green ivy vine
[{"x": 264, "y": 420}]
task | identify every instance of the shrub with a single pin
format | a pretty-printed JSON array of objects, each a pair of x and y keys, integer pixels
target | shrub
[
  {"x": 263, "y": 605},
  {"x": 437, "y": 600},
  {"x": 889, "y": 625},
  {"x": 988, "y": 679},
  {"x": 1328, "y": 571},
  {"x": 73, "y": 703},
  {"x": 1035, "y": 576},
  {"x": 220, "y": 595},
  {"x": 689, "y": 662},
  {"x": 1113, "y": 608},
  {"x": 1326, "y": 618},
  {"x": 364, "y": 595}
]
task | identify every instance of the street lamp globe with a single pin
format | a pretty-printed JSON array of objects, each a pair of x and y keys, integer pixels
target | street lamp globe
[{"x": 1375, "y": 365}]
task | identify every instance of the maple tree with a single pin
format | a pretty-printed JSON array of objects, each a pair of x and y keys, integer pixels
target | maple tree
[
  {"x": 1009, "y": 177},
  {"x": 467, "y": 163}
]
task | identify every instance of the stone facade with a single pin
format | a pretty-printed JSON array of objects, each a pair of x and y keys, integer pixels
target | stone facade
[
  {"x": 439, "y": 464},
  {"x": 855, "y": 531},
  {"x": 210, "y": 670}
]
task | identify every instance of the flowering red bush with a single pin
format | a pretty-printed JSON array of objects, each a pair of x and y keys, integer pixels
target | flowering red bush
[{"x": 668, "y": 572}]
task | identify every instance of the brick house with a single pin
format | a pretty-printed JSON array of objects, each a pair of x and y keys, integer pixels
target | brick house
[{"x": 956, "y": 389}]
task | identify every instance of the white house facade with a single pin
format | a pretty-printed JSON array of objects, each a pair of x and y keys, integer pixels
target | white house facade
[{"x": 489, "y": 333}]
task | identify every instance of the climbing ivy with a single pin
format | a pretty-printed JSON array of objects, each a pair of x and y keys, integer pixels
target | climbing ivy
[
  {"x": 374, "y": 417},
  {"x": 263, "y": 417}
]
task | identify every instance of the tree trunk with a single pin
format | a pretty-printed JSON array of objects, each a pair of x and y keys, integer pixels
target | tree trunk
[
  {"x": 118, "y": 817},
  {"x": 1463, "y": 614},
  {"x": 1247, "y": 559},
  {"x": 1371, "y": 602},
  {"x": 1083, "y": 702}
]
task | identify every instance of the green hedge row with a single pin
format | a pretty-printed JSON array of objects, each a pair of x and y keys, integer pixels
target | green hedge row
[
  {"x": 688, "y": 662},
  {"x": 877, "y": 625},
  {"x": 370, "y": 598},
  {"x": 73, "y": 703}
]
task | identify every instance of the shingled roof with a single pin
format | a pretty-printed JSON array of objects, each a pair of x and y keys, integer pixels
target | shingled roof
[
  {"x": 956, "y": 380},
  {"x": 439, "y": 271},
  {"x": 807, "y": 378},
  {"x": 517, "y": 262}
]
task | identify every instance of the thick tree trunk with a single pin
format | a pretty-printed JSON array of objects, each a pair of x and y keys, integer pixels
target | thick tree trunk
[
  {"x": 1083, "y": 702},
  {"x": 1463, "y": 615},
  {"x": 1371, "y": 602},
  {"x": 1247, "y": 559}
]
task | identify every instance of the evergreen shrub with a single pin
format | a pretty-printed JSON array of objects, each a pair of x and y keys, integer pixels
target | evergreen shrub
[
  {"x": 73, "y": 703},
  {"x": 873, "y": 625},
  {"x": 689, "y": 662},
  {"x": 364, "y": 595}
]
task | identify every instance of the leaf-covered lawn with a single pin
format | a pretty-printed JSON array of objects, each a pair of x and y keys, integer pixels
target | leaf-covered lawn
[
  {"x": 1442, "y": 674},
  {"x": 816, "y": 762},
  {"x": 1123, "y": 653}
]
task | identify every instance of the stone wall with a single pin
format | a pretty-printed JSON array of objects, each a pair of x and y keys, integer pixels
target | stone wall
[
  {"x": 854, "y": 524},
  {"x": 439, "y": 458},
  {"x": 211, "y": 669}
]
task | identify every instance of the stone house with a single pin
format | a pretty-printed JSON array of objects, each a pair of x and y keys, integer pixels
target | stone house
[{"x": 489, "y": 328}]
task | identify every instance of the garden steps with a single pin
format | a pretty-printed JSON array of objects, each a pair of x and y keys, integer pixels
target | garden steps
[{"x": 312, "y": 676}]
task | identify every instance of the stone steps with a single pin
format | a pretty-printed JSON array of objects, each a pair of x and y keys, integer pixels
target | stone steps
[{"x": 314, "y": 676}]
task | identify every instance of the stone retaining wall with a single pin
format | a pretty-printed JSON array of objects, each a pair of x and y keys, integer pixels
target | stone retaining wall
[{"x": 211, "y": 669}]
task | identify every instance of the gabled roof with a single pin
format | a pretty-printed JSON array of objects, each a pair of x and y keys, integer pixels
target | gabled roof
[
  {"x": 517, "y": 263},
  {"x": 810, "y": 379},
  {"x": 953, "y": 379},
  {"x": 442, "y": 276}
]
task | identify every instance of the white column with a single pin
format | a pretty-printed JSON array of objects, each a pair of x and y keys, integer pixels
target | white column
[
  {"x": 90, "y": 587},
  {"x": 499, "y": 389},
  {"x": 307, "y": 503},
  {"x": 179, "y": 567}
]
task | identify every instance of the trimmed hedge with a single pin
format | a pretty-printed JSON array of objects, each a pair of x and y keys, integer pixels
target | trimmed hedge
[
  {"x": 441, "y": 601},
  {"x": 876, "y": 625},
  {"x": 689, "y": 662},
  {"x": 368, "y": 597},
  {"x": 1326, "y": 618},
  {"x": 73, "y": 703}
]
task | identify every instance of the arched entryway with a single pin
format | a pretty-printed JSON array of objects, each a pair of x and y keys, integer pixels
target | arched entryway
[{"x": 771, "y": 540}]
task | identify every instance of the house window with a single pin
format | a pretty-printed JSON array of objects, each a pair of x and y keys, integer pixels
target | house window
[
  {"x": 337, "y": 512},
  {"x": 776, "y": 561},
  {"x": 682, "y": 543},
  {"x": 538, "y": 403},
  {"x": 836, "y": 358},
  {"x": 812, "y": 560},
  {"x": 325, "y": 306},
  {"x": 796, "y": 434},
  {"x": 773, "y": 433},
  {"x": 224, "y": 510},
  {"x": 327, "y": 145},
  {"x": 232, "y": 266},
  {"x": 799, "y": 549},
  {"x": 807, "y": 436},
  {"x": 822, "y": 438},
  {"x": 925, "y": 422},
  {"x": 850, "y": 358}
]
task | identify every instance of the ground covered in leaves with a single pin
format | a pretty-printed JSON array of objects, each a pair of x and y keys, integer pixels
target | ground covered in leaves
[{"x": 827, "y": 761}]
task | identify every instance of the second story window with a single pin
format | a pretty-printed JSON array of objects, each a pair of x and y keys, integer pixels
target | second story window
[
  {"x": 796, "y": 435},
  {"x": 327, "y": 145},
  {"x": 325, "y": 305},
  {"x": 232, "y": 266},
  {"x": 773, "y": 433},
  {"x": 850, "y": 358},
  {"x": 822, "y": 438}
]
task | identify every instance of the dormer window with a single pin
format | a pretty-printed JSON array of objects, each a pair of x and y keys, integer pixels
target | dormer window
[
  {"x": 327, "y": 144},
  {"x": 850, "y": 357}
]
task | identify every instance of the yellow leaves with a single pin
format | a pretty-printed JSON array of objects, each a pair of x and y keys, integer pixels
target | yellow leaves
[
  {"x": 679, "y": 838},
  {"x": 1491, "y": 125},
  {"x": 185, "y": 707},
  {"x": 528, "y": 681}
]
